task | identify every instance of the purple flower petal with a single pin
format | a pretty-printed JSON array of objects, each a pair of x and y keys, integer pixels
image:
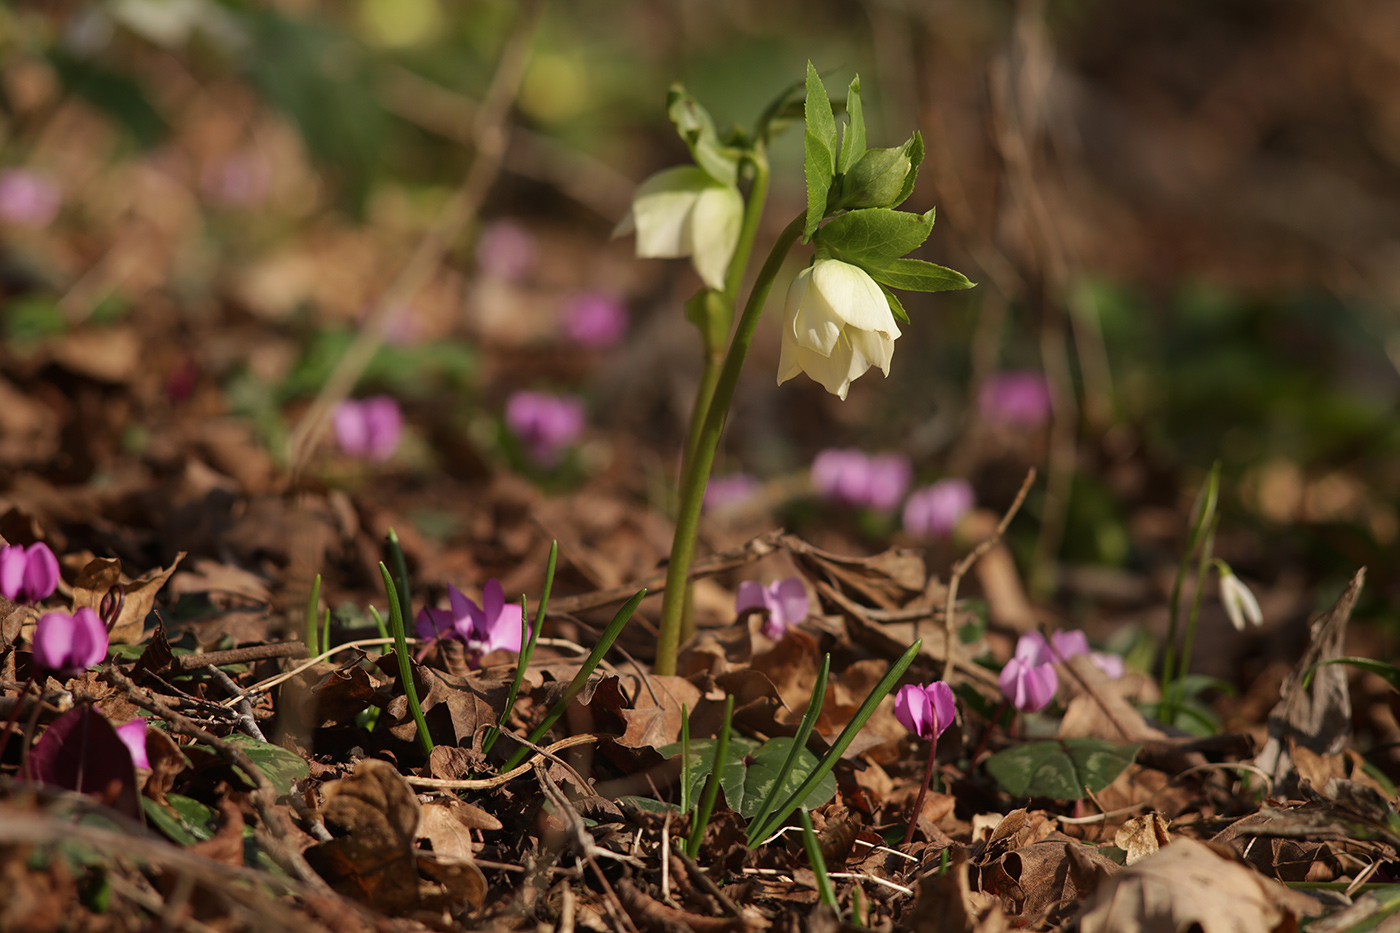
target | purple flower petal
[
  {"x": 434, "y": 623},
  {"x": 1018, "y": 398},
  {"x": 133, "y": 736},
  {"x": 750, "y": 595},
  {"x": 887, "y": 479},
  {"x": 595, "y": 320},
  {"x": 69, "y": 645},
  {"x": 1110, "y": 664},
  {"x": 934, "y": 511},
  {"x": 791, "y": 596},
  {"x": 40, "y": 571},
  {"x": 12, "y": 564},
  {"x": 1069, "y": 643},
  {"x": 914, "y": 709},
  {"x": 1029, "y": 687},
  {"x": 945, "y": 708}
]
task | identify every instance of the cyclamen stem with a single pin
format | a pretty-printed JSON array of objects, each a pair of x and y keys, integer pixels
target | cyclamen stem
[
  {"x": 14, "y": 713},
  {"x": 703, "y": 456},
  {"x": 923, "y": 790}
]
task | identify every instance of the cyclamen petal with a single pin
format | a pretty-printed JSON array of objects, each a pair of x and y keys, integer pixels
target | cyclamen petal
[
  {"x": 785, "y": 602},
  {"x": 28, "y": 574},
  {"x": 133, "y": 736},
  {"x": 69, "y": 644},
  {"x": 926, "y": 710}
]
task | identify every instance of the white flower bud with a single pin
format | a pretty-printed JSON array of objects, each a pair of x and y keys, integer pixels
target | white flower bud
[
  {"x": 837, "y": 325},
  {"x": 1240, "y": 604}
]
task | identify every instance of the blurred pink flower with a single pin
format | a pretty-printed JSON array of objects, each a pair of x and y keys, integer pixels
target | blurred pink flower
[
  {"x": 926, "y": 710},
  {"x": 1070, "y": 642},
  {"x": 69, "y": 644},
  {"x": 546, "y": 424},
  {"x": 492, "y": 626},
  {"x": 240, "y": 179},
  {"x": 506, "y": 250},
  {"x": 784, "y": 600},
  {"x": 133, "y": 736},
  {"x": 851, "y": 477},
  {"x": 934, "y": 511},
  {"x": 1028, "y": 680},
  {"x": 730, "y": 490},
  {"x": 28, "y": 199},
  {"x": 1021, "y": 398},
  {"x": 595, "y": 319},
  {"x": 369, "y": 428},
  {"x": 28, "y": 574}
]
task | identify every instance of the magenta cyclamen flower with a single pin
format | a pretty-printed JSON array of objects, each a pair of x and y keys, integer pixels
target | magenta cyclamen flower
[
  {"x": 133, "y": 736},
  {"x": 595, "y": 319},
  {"x": 934, "y": 511},
  {"x": 492, "y": 626},
  {"x": 925, "y": 709},
  {"x": 1069, "y": 642},
  {"x": 733, "y": 489},
  {"x": 849, "y": 476},
  {"x": 69, "y": 645},
  {"x": 785, "y": 601},
  {"x": 1028, "y": 680},
  {"x": 546, "y": 424},
  {"x": 28, "y": 574},
  {"x": 28, "y": 199},
  {"x": 369, "y": 428},
  {"x": 1019, "y": 398},
  {"x": 506, "y": 250}
]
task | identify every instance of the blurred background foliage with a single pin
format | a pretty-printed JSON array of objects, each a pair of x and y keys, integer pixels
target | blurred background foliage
[{"x": 1186, "y": 214}]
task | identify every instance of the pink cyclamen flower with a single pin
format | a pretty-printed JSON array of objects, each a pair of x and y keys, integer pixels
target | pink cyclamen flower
[
  {"x": 28, "y": 574},
  {"x": 492, "y": 626},
  {"x": 595, "y": 319},
  {"x": 934, "y": 511},
  {"x": 785, "y": 601},
  {"x": 1069, "y": 642},
  {"x": 506, "y": 250},
  {"x": 240, "y": 179},
  {"x": 722, "y": 492},
  {"x": 369, "y": 428},
  {"x": 28, "y": 199},
  {"x": 546, "y": 424},
  {"x": 133, "y": 736},
  {"x": 1028, "y": 680},
  {"x": 851, "y": 477},
  {"x": 1019, "y": 398},
  {"x": 925, "y": 709},
  {"x": 69, "y": 645}
]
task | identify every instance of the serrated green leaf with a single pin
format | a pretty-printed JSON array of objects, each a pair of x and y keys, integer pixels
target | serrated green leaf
[
  {"x": 875, "y": 180},
  {"x": 283, "y": 768},
  {"x": 1060, "y": 769},
  {"x": 896, "y": 306},
  {"x": 819, "y": 150},
  {"x": 874, "y": 234},
  {"x": 913, "y": 275},
  {"x": 853, "y": 138},
  {"x": 697, "y": 130},
  {"x": 915, "y": 147}
]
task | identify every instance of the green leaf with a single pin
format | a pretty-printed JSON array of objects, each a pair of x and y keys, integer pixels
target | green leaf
[
  {"x": 785, "y": 108},
  {"x": 853, "y": 138},
  {"x": 282, "y": 767},
  {"x": 1389, "y": 672},
  {"x": 875, "y": 234},
  {"x": 750, "y": 770},
  {"x": 819, "y": 151},
  {"x": 697, "y": 129},
  {"x": 896, "y": 306},
  {"x": 913, "y": 275},
  {"x": 1060, "y": 769},
  {"x": 915, "y": 148}
]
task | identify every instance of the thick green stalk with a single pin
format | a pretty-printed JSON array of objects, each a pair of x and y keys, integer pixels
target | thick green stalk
[{"x": 703, "y": 459}]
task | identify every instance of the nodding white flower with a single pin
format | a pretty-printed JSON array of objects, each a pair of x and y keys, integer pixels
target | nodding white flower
[
  {"x": 837, "y": 325},
  {"x": 685, "y": 212},
  {"x": 1240, "y": 604}
]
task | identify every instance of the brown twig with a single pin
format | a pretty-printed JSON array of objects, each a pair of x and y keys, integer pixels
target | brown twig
[
  {"x": 505, "y": 777},
  {"x": 961, "y": 568},
  {"x": 284, "y": 649},
  {"x": 491, "y": 133}
]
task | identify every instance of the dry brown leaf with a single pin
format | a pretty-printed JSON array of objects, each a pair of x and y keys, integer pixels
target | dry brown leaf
[
  {"x": 447, "y": 824},
  {"x": 656, "y": 721},
  {"x": 1098, "y": 709},
  {"x": 1188, "y": 884},
  {"x": 1142, "y": 836},
  {"x": 101, "y": 574},
  {"x": 374, "y": 816}
]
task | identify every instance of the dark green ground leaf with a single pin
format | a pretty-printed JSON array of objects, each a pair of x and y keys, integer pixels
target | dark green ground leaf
[{"x": 1060, "y": 769}]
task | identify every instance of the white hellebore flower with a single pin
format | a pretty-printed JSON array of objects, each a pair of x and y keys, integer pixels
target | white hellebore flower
[
  {"x": 685, "y": 212},
  {"x": 837, "y": 325},
  {"x": 1240, "y": 604}
]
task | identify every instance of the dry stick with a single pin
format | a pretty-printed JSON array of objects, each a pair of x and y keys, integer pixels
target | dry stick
[
  {"x": 285, "y": 649},
  {"x": 245, "y": 709},
  {"x": 263, "y": 798},
  {"x": 961, "y": 568},
  {"x": 505, "y": 777},
  {"x": 491, "y": 133}
]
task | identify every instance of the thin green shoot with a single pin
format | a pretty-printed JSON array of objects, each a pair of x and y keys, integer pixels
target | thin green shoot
[
  {"x": 326, "y": 633},
  {"x": 379, "y": 623},
  {"x": 400, "y": 566},
  {"x": 814, "y": 856},
  {"x": 528, "y": 638},
  {"x": 685, "y": 759},
  {"x": 860, "y": 907},
  {"x": 313, "y": 646},
  {"x": 1204, "y": 512},
  {"x": 405, "y": 663},
  {"x": 799, "y": 741},
  {"x": 590, "y": 663},
  {"x": 707, "y": 799},
  {"x": 762, "y": 829},
  {"x": 1193, "y": 617}
]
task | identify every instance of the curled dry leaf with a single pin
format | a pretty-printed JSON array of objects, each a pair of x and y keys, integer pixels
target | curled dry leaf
[
  {"x": 373, "y": 815},
  {"x": 1189, "y": 885},
  {"x": 101, "y": 574},
  {"x": 1142, "y": 836}
]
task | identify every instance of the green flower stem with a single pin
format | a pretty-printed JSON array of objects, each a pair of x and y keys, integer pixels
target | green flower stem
[
  {"x": 703, "y": 459},
  {"x": 1193, "y": 617}
]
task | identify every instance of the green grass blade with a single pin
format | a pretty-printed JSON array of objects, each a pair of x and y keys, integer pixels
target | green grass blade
[
  {"x": 799, "y": 742},
  {"x": 401, "y": 575},
  {"x": 707, "y": 799},
  {"x": 325, "y": 633},
  {"x": 527, "y": 641},
  {"x": 313, "y": 645},
  {"x": 759, "y": 831},
  {"x": 814, "y": 856},
  {"x": 379, "y": 623},
  {"x": 685, "y": 759},
  {"x": 405, "y": 664},
  {"x": 590, "y": 663}
]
